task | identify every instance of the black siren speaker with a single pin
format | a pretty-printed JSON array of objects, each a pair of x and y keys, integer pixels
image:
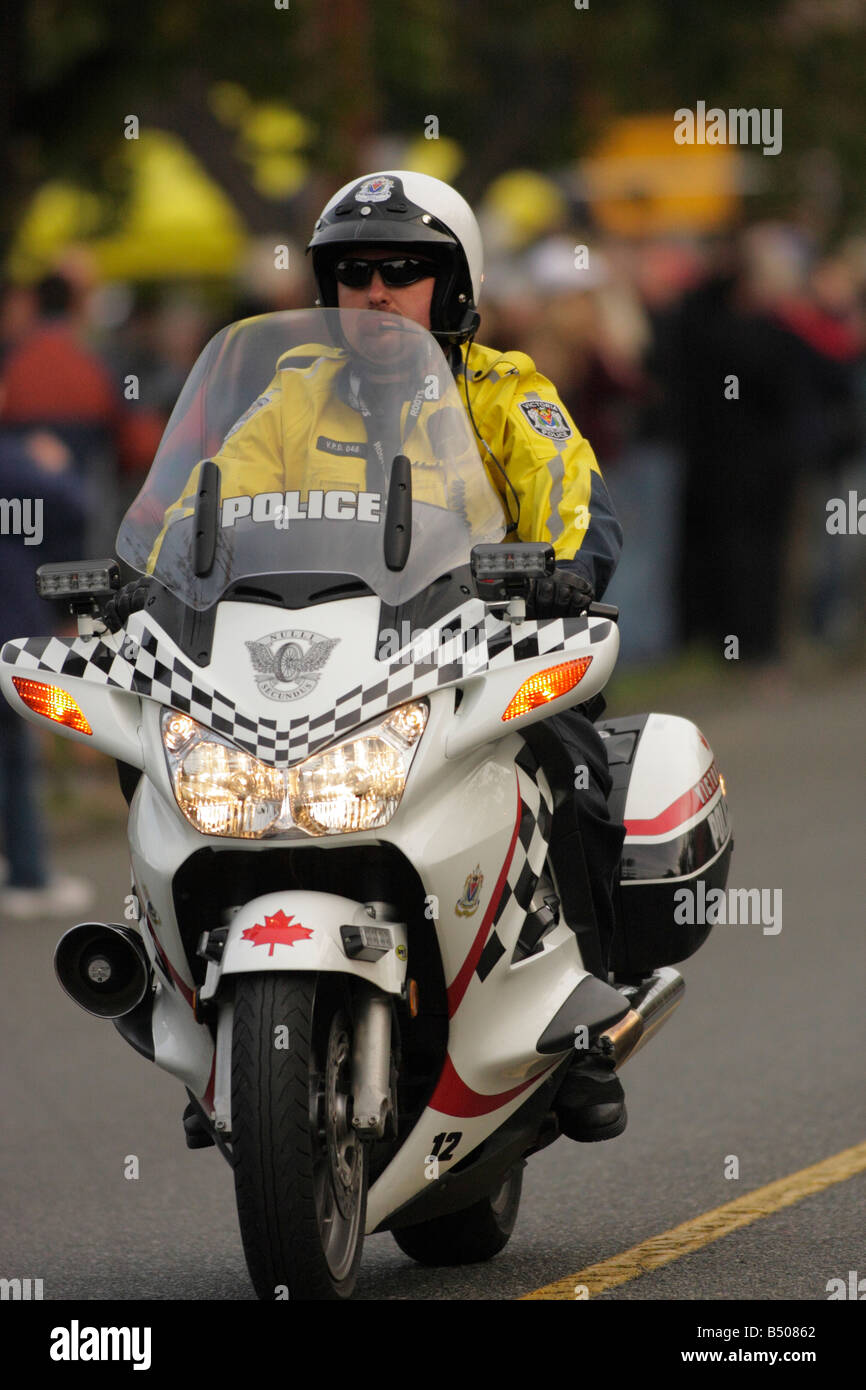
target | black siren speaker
[{"x": 103, "y": 967}]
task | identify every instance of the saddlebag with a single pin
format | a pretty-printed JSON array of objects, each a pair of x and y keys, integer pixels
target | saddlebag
[{"x": 668, "y": 791}]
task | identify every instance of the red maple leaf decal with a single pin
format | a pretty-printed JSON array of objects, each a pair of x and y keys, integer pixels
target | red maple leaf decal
[{"x": 278, "y": 930}]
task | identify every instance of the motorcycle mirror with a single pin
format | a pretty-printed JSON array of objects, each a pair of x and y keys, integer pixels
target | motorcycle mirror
[
  {"x": 206, "y": 519},
  {"x": 398, "y": 517}
]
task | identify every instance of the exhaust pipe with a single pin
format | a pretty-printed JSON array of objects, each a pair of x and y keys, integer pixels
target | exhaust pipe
[
  {"x": 652, "y": 1003},
  {"x": 103, "y": 967}
]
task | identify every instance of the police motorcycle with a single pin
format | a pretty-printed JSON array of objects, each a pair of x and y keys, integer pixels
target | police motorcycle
[{"x": 349, "y": 944}]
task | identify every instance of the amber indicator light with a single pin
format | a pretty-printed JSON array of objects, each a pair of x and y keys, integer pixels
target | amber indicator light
[
  {"x": 412, "y": 997},
  {"x": 53, "y": 702},
  {"x": 547, "y": 685}
]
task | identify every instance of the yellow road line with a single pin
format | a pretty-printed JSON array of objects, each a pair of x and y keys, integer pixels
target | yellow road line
[{"x": 712, "y": 1225}]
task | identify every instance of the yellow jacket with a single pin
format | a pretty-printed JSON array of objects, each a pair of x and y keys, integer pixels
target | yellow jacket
[{"x": 308, "y": 430}]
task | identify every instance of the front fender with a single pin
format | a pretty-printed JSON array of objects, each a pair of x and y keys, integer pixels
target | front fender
[{"x": 300, "y": 931}]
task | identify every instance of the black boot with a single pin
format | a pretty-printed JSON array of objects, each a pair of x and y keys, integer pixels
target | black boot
[
  {"x": 590, "y": 1104},
  {"x": 195, "y": 1129}
]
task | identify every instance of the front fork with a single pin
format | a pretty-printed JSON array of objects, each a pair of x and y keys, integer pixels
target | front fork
[
  {"x": 373, "y": 1086},
  {"x": 372, "y": 1100}
]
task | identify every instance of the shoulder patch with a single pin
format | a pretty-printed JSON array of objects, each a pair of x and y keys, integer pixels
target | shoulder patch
[
  {"x": 547, "y": 419},
  {"x": 257, "y": 405}
]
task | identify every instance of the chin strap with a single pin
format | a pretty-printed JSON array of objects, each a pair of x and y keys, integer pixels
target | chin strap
[{"x": 466, "y": 330}]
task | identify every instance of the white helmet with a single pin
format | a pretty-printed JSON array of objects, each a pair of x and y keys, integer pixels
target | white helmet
[{"x": 416, "y": 211}]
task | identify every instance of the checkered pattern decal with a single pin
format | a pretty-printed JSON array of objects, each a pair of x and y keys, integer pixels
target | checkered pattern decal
[
  {"x": 466, "y": 642},
  {"x": 530, "y": 854}
]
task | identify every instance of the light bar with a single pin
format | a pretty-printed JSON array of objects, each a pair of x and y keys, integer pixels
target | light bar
[
  {"x": 52, "y": 702},
  {"x": 547, "y": 685},
  {"x": 82, "y": 578},
  {"x": 530, "y": 560}
]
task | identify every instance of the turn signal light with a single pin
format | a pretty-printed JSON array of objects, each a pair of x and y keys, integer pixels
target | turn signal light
[
  {"x": 53, "y": 702},
  {"x": 412, "y": 997},
  {"x": 547, "y": 685}
]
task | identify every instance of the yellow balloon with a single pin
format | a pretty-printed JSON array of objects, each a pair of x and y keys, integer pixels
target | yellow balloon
[
  {"x": 274, "y": 127},
  {"x": 527, "y": 202},
  {"x": 441, "y": 158}
]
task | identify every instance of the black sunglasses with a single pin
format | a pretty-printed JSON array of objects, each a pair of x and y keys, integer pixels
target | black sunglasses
[{"x": 396, "y": 272}]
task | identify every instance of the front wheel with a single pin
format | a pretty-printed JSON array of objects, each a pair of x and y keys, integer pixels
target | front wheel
[
  {"x": 470, "y": 1236},
  {"x": 300, "y": 1170}
]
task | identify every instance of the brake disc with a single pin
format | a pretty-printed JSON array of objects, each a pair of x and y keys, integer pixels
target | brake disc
[{"x": 344, "y": 1150}]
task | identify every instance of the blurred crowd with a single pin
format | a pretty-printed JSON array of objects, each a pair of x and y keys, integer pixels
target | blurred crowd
[
  {"x": 721, "y": 382},
  {"x": 722, "y": 385}
]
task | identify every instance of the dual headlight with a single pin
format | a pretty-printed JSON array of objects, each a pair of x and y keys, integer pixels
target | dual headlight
[{"x": 353, "y": 785}]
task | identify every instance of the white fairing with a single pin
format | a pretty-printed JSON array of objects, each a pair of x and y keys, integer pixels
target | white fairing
[
  {"x": 114, "y": 718},
  {"x": 472, "y": 822},
  {"x": 495, "y": 1021},
  {"x": 180, "y": 1045}
]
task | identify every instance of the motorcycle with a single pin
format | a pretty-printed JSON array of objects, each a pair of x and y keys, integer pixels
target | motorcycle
[{"x": 347, "y": 937}]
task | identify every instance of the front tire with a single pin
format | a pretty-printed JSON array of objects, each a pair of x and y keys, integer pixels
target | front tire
[
  {"x": 300, "y": 1170},
  {"x": 470, "y": 1236}
]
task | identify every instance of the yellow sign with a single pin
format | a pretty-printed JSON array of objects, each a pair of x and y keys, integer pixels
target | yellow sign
[{"x": 640, "y": 182}]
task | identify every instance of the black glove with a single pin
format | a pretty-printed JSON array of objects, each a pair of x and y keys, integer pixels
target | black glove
[
  {"x": 563, "y": 595},
  {"x": 128, "y": 600}
]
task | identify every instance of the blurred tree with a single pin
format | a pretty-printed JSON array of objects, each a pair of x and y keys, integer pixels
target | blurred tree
[
  {"x": 73, "y": 70},
  {"x": 514, "y": 84}
]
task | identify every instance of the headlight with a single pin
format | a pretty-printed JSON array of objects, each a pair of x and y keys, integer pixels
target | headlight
[
  {"x": 354, "y": 785},
  {"x": 220, "y": 789}
]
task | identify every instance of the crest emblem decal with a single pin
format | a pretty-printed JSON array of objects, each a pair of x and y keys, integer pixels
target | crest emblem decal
[
  {"x": 468, "y": 903},
  {"x": 287, "y": 664},
  {"x": 546, "y": 418},
  {"x": 374, "y": 191}
]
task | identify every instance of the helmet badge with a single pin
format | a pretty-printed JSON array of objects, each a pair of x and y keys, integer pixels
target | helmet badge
[{"x": 374, "y": 191}]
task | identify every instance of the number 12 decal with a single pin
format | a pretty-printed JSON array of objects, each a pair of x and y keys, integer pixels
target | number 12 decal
[{"x": 450, "y": 1141}]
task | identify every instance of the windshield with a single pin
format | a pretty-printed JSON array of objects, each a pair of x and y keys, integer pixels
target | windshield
[{"x": 304, "y": 413}]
